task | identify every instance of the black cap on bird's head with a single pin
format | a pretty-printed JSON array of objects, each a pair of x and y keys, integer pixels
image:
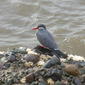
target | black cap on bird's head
[{"x": 40, "y": 26}]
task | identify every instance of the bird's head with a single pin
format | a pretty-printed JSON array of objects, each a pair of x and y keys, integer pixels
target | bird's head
[{"x": 40, "y": 26}]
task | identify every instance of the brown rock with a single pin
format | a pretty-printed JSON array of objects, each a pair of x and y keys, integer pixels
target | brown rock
[
  {"x": 28, "y": 79},
  {"x": 72, "y": 69}
]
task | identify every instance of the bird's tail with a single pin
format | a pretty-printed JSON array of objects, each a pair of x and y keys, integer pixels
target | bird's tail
[{"x": 60, "y": 54}]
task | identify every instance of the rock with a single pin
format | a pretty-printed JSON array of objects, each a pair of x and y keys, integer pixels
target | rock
[
  {"x": 81, "y": 64},
  {"x": 64, "y": 82},
  {"x": 28, "y": 64},
  {"x": 21, "y": 50},
  {"x": 6, "y": 65},
  {"x": 32, "y": 58},
  {"x": 34, "y": 83},
  {"x": 72, "y": 69},
  {"x": 28, "y": 79},
  {"x": 83, "y": 78},
  {"x": 42, "y": 72},
  {"x": 58, "y": 83},
  {"x": 73, "y": 58},
  {"x": 40, "y": 63},
  {"x": 42, "y": 82},
  {"x": 76, "y": 58},
  {"x": 82, "y": 70},
  {"x": 9, "y": 82},
  {"x": 11, "y": 58},
  {"x": 19, "y": 84},
  {"x": 50, "y": 81},
  {"x": 29, "y": 51},
  {"x": 45, "y": 57},
  {"x": 2, "y": 54},
  {"x": 52, "y": 62},
  {"x": 77, "y": 81},
  {"x": 1, "y": 66},
  {"x": 23, "y": 80},
  {"x": 54, "y": 73},
  {"x": 3, "y": 60}
]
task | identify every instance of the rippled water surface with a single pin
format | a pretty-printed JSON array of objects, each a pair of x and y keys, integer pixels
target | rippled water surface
[{"x": 65, "y": 19}]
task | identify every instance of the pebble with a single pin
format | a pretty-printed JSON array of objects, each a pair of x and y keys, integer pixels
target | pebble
[
  {"x": 64, "y": 82},
  {"x": 76, "y": 58},
  {"x": 58, "y": 83},
  {"x": 54, "y": 73},
  {"x": 2, "y": 53},
  {"x": 3, "y": 60},
  {"x": 31, "y": 58},
  {"x": 11, "y": 58},
  {"x": 45, "y": 57},
  {"x": 50, "y": 81},
  {"x": 6, "y": 65},
  {"x": 77, "y": 81},
  {"x": 28, "y": 64},
  {"x": 72, "y": 69},
  {"x": 42, "y": 82},
  {"x": 23, "y": 80},
  {"x": 33, "y": 83},
  {"x": 52, "y": 62},
  {"x": 21, "y": 50},
  {"x": 82, "y": 70},
  {"x": 40, "y": 63},
  {"x": 28, "y": 79},
  {"x": 29, "y": 51},
  {"x": 1, "y": 66},
  {"x": 83, "y": 78}
]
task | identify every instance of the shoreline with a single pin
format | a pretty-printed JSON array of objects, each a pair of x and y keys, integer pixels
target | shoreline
[{"x": 21, "y": 66}]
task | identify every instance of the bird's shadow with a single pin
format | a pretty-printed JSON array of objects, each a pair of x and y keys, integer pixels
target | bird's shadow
[{"x": 42, "y": 50}]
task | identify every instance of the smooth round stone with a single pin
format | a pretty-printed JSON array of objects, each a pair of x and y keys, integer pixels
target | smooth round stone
[
  {"x": 72, "y": 69},
  {"x": 52, "y": 62}
]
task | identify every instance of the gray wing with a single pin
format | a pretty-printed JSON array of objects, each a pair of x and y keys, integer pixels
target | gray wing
[{"x": 46, "y": 39}]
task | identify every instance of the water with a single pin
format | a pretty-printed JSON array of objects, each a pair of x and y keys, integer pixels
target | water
[{"x": 65, "y": 19}]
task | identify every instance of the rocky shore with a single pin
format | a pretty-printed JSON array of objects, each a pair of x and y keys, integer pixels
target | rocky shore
[{"x": 37, "y": 66}]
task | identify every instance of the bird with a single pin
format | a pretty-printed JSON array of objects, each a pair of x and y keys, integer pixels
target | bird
[{"x": 47, "y": 41}]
